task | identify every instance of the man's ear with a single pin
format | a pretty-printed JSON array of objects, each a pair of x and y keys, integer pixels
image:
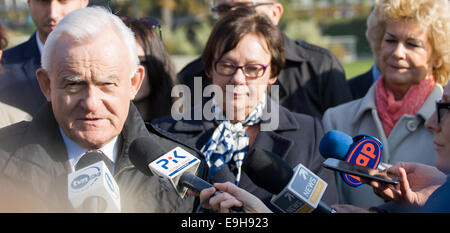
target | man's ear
[
  {"x": 277, "y": 12},
  {"x": 85, "y": 3},
  {"x": 136, "y": 81},
  {"x": 44, "y": 82}
]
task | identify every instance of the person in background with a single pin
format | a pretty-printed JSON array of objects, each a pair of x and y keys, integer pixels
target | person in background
[
  {"x": 240, "y": 115},
  {"x": 19, "y": 88},
  {"x": 8, "y": 114},
  {"x": 312, "y": 79},
  {"x": 410, "y": 41},
  {"x": 422, "y": 188},
  {"x": 89, "y": 85},
  {"x": 360, "y": 84},
  {"x": 154, "y": 97}
]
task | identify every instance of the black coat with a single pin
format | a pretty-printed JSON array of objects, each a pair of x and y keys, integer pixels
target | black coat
[
  {"x": 19, "y": 86},
  {"x": 33, "y": 154},
  {"x": 296, "y": 140},
  {"x": 312, "y": 81},
  {"x": 360, "y": 84}
]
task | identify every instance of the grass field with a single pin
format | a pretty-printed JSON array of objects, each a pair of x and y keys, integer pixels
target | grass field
[{"x": 357, "y": 67}]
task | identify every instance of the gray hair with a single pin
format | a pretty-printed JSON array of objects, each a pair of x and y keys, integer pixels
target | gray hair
[{"x": 86, "y": 23}]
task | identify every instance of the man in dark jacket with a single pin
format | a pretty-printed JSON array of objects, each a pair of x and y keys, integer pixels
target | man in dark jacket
[
  {"x": 89, "y": 83},
  {"x": 312, "y": 80}
]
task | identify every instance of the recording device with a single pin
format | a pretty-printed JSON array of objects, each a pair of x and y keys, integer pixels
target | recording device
[
  {"x": 360, "y": 171},
  {"x": 363, "y": 150},
  {"x": 92, "y": 188},
  {"x": 176, "y": 168},
  {"x": 296, "y": 190}
]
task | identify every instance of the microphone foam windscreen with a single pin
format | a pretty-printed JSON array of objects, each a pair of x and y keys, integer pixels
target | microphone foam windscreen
[
  {"x": 90, "y": 158},
  {"x": 143, "y": 151},
  {"x": 267, "y": 170},
  {"x": 335, "y": 144}
]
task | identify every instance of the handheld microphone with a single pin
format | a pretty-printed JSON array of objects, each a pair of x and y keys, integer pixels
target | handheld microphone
[
  {"x": 92, "y": 188},
  {"x": 296, "y": 190},
  {"x": 363, "y": 150},
  {"x": 176, "y": 168}
]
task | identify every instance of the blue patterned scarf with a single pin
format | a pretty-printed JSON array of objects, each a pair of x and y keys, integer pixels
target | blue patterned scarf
[{"x": 230, "y": 141}]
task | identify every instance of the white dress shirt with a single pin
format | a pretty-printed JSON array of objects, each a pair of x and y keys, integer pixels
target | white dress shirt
[{"x": 75, "y": 151}]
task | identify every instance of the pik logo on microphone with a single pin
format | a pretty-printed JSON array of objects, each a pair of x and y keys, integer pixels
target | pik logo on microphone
[
  {"x": 173, "y": 162},
  {"x": 366, "y": 151}
]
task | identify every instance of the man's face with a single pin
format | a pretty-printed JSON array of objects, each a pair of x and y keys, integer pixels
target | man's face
[
  {"x": 90, "y": 88},
  {"x": 46, "y": 14},
  {"x": 271, "y": 8}
]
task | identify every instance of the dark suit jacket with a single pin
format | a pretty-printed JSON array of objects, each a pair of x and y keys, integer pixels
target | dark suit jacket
[
  {"x": 34, "y": 155},
  {"x": 295, "y": 140},
  {"x": 360, "y": 84},
  {"x": 312, "y": 80},
  {"x": 18, "y": 85}
]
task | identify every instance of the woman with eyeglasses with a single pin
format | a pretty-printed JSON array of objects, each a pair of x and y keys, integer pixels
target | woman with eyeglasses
[
  {"x": 410, "y": 42},
  {"x": 154, "y": 97},
  {"x": 243, "y": 56}
]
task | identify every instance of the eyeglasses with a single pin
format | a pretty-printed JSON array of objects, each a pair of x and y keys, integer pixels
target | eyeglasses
[
  {"x": 441, "y": 109},
  {"x": 224, "y": 8},
  {"x": 252, "y": 71},
  {"x": 148, "y": 22}
]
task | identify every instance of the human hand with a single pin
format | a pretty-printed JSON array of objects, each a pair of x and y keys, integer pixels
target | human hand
[
  {"x": 231, "y": 196},
  {"x": 418, "y": 182}
]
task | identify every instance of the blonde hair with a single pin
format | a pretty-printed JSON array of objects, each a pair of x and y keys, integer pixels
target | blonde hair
[{"x": 429, "y": 14}]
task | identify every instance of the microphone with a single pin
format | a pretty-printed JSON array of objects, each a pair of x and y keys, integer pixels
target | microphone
[
  {"x": 92, "y": 188},
  {"x": 363, "y": 150},
  {"x": 296, "y": 190}
]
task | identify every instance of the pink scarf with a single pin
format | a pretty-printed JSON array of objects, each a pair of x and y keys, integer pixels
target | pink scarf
[{"x": 390, "y": 111}]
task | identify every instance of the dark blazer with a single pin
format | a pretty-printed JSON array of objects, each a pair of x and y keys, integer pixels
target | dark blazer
[
  {"x": 360, "y": 84},
  {"x": 18, "y": 85},
  {"x": 295, "y": 140},
  {"x": 33, "y": 154},
  {"x": 312, "y": 80}
]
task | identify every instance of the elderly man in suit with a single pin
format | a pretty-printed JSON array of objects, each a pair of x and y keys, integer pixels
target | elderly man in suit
[
  {"x": 89, "y": 84},
  {"x": 18, "y": 86}
]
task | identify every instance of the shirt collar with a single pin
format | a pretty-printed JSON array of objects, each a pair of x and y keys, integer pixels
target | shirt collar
[
  {"x": 75, "y": 151},
  {"x": 39, "y": 43}
]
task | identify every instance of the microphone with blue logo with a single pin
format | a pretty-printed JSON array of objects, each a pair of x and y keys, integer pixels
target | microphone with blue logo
[
  {"x": 176, "y": 168},
  {"x": 363, "y": 150},
  {"x": 92, "y": 188}
]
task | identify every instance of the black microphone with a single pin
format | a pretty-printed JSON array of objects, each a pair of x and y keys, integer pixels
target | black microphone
[
  {"x": 296, "y": 190},
  {"x": 176, "y": 167}
]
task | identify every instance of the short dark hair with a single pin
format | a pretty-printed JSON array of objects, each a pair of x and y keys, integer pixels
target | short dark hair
[
  {"x": 3, "y": 38},
  {"x": 229, "y": 31}
]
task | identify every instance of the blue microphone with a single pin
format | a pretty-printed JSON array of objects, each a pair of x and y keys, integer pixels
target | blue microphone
[{"x": 363, "y": 150}]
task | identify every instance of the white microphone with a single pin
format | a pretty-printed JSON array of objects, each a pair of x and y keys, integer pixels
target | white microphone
[
  {"x": 303, "y": 192},
  {"x": 296, "y": 190},
  {"x": 93, "y": 189}
]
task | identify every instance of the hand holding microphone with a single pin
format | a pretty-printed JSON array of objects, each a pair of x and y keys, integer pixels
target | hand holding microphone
[
  {"x": 231, "y": 196},
  {"x": 418, "y": 182},
  {"x": 175, "y": 168}
]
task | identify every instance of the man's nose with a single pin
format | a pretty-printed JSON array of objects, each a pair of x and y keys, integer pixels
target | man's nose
[
  {"x": 91, "y": 99},
  {"x": 56, "y": 11}
]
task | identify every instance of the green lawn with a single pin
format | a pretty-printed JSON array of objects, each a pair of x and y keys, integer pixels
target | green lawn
[{"x": 357, "y": 67}]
